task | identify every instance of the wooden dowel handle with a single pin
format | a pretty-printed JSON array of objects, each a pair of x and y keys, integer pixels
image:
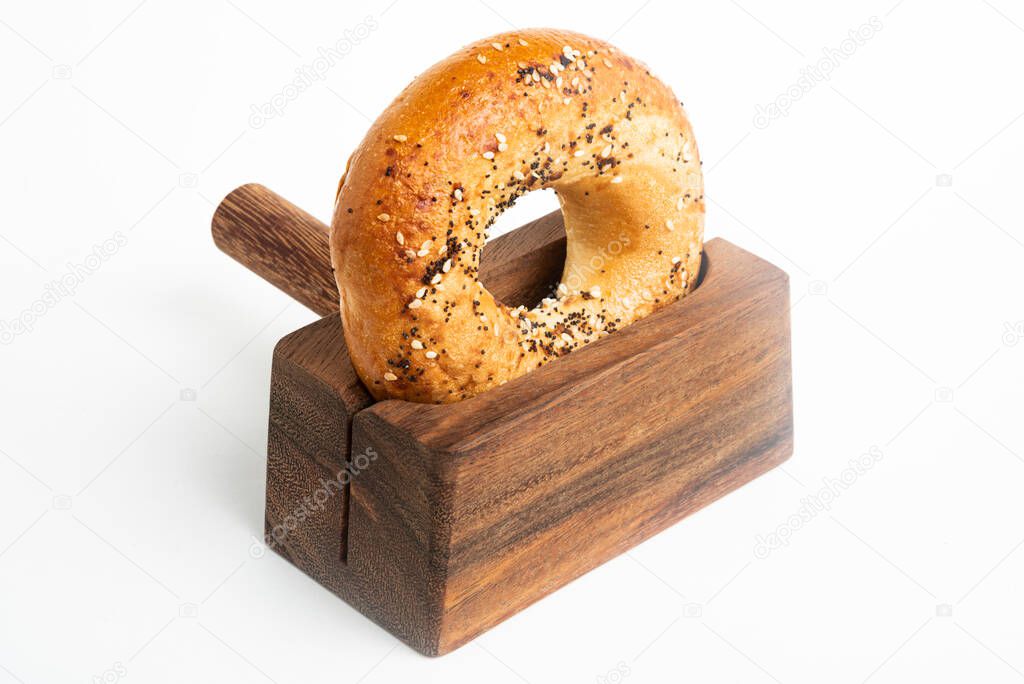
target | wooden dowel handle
[
  {"x": 279, "y": 242},
  {"x": 290, "y": 249}
]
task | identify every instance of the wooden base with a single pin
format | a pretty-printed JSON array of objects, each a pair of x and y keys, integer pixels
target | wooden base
[{"x": 439, "y": 522}]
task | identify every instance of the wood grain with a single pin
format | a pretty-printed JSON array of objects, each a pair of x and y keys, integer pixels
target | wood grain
[
  {"x": 279, "y": 242},
  {"x": 469, "y": 512}
]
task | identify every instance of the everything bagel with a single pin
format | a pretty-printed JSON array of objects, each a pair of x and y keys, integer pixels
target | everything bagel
[{"x": 512, "y": 113}]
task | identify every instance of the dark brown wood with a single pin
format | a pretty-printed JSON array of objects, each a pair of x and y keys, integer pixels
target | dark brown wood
[
  {"x": 290, "y": 249},
  {"x": 279, "y": 242},
  {"x": 458, "y": 516}
]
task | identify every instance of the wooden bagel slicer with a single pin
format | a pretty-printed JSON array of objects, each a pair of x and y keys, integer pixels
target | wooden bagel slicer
[{"x": 440, "y": 521}]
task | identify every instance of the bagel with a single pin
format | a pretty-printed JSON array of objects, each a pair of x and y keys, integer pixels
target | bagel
[{"x": 516, "y": 112}]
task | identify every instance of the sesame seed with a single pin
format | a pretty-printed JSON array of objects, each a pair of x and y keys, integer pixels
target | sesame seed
[
  {"x": 400, "y": 138},
  {"x": 608, "y": 63},
  {"x": 595, "y": 291},
  {"x": 500, "y": 137},
  {"x": 423, "y": 252},
  {"x": 669, "y": 224},
  {"x": 431, "y": 354},
  {"x": 676, "y": 260},
  {"x": 488, "y": 155},
  {"x": 400, "y": 238},
  {"x": 458, "y": 194},
  {"x": 496, "y": 46},
  {"x": 535, "y": 76},
  {"x": 421, "y": 293},
  {"x": 563, "y": 289},
  {"x": 390, "y": 377},
  {"x": 607, "y": 151},
  {"x": 679, "y": 203},
  {"x": 523, "y": 43},
  {"x": 436, "y": 280},
  {"x": 566, "y": 100},
  {"x": 481, "y": 59},
  {"x": 567, "y": 337},
  {"x": 617, "y": 179},
  {"x": 427, "y": 244},
  {"x": 474, "y": 212},
  {"x": 558, "y": 82},
  {"x": 416, "y": 344},
  {"x": 383, "y": 217},
  {"x": 502, "y": 147},
  {"x": 518, "y": 175},
  {"x": 416, "y": 303},
  {"x": 448, "y": 266},
  {"x": 578, "y": 153},
  {"x": 410, "y": 253}
]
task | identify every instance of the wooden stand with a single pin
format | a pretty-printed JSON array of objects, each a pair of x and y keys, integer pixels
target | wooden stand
[{"x": 439, "y": 522}]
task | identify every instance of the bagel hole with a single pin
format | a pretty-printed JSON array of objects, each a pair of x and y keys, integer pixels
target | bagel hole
[{"x": 527, "y": 280}]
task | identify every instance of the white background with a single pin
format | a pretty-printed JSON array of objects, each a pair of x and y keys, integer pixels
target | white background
[{"x": 128, "y": 515}]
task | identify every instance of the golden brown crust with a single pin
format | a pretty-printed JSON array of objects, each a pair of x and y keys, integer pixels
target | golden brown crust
[{"x": 512, "y": 113}]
